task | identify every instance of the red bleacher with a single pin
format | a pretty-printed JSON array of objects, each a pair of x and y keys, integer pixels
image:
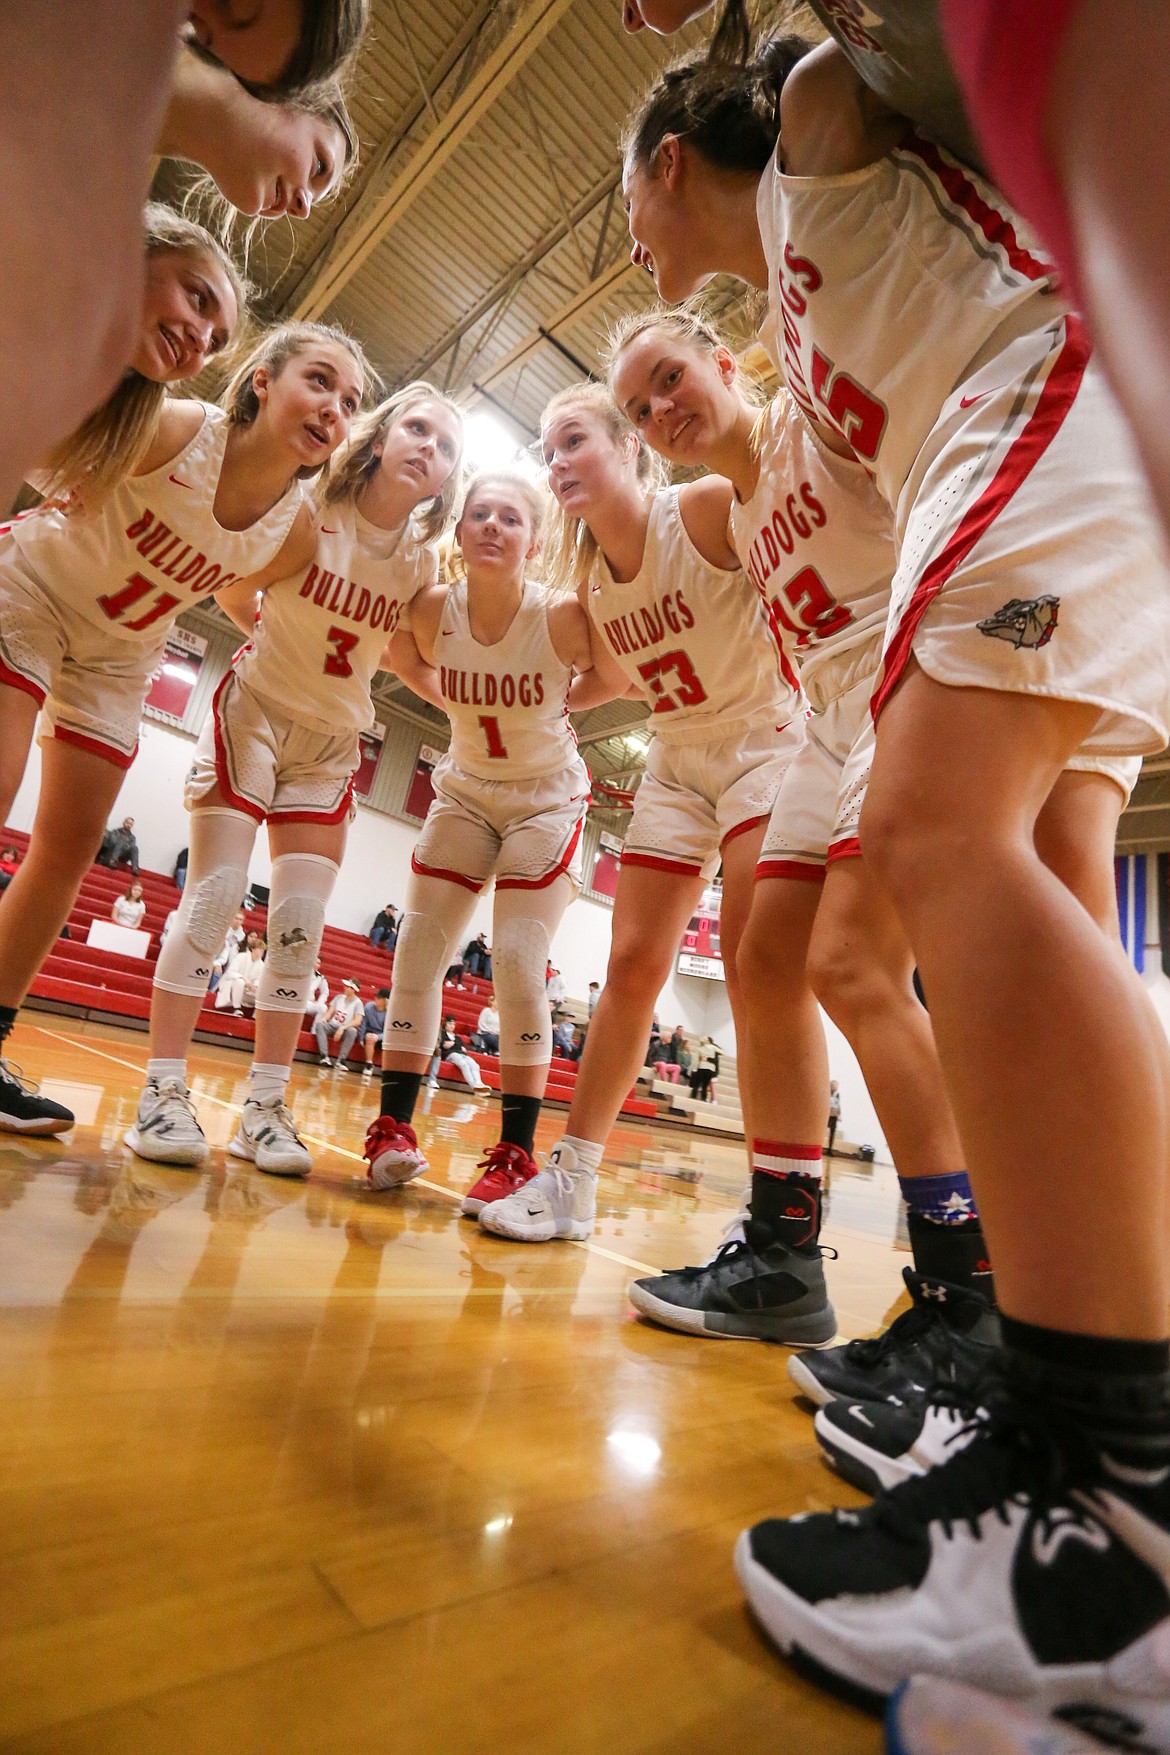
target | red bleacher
[{"x": 109, "y": 986}]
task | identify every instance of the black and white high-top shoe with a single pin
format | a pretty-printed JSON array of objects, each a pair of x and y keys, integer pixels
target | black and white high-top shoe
[
  {"x": 880, "y": 1444},
  {"x": 1032, "y": 1563},
  {"x": 754, "y": 1288},
  {"x": 947, "y": 1334},
  {"x": 24, "y": 1110}
]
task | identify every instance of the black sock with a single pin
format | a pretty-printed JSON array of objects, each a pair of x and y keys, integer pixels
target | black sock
[
  {"x": 520, "y": 1115},
  {"x": 1119, "y": 1391},
  {"x": 400, "y": 1093},
  {"x": 955, "y": 1253},
  {"x": 7, "y": 1019},
  {"x": 789, "y": 1206}
]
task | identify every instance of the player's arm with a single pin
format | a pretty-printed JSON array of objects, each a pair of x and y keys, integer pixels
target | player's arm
[
  {"x": 241, "y": 599},
  {"x": 705, "y": 509},
  {"x": 598, "y": 677},
  {"x": 404, "y": 660},
  {"x": 831, "y": 123}
]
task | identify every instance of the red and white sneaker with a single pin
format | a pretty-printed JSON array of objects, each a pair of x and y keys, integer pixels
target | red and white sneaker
[
  {"x": 505, "y": 1169},
  {"x": 392, "y": 1153}
]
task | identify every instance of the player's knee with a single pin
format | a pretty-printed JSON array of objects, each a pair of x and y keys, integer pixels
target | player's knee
[
  {"x": 420, "y": 954},
  {"x": 209, "y": 907},
  {"x": 633, "y": 968},
  {"x": 519, "y": 958}
]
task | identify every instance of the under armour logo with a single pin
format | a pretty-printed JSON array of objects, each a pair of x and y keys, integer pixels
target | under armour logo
[
  {"x": 1064, "y": 1525},
  {"x": 402, "y": 1024},
  {"x": 938, "y": 1292},
  {"x": 531, "y": 1036}
]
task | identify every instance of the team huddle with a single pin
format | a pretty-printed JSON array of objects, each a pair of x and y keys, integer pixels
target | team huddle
[{"x": 904, "y": 634}]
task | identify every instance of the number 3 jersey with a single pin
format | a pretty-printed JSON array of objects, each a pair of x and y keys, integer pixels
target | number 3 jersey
[
  {"x": 692, "y": 638},
  {"x": 508, "y": 702},
  {"x": 321, "y": 634},
  {"x": 817, "y": 540}
]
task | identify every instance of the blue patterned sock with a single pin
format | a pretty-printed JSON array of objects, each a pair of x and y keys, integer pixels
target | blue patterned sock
[{"x": 940, "y": 1200}]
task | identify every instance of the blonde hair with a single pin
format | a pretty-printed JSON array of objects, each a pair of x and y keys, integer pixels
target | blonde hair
[
  {"x": 112, "y": 441},
  {"x": 569, "y": 546},
  {"x": 272, "y": 352},
  {"x": 206, "y": 202},
  {"x": 359, "y": 462},
  {"x": 689, "y": 324},
  {"x": 530, "y": 492}
]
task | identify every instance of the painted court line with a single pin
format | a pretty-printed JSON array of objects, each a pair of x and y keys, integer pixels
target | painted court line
[{"x": 638, "y": 1267}]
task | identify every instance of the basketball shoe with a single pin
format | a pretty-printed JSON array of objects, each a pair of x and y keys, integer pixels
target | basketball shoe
[
  {"x": 166, "y": 1129},
  {"x": 880, "y": 1444},
  {"x": 505, "y": 1169},
  {"x": 24, "y": 1110},
  {"x": 928, "y": 1716},
  {"x": 559, "y": 1201},
  {"x": 1033, "y": 1561},
  {"x": 754, "y": 1288},
  {"x": 392, "y": 1153},
  {"x": 947, "y": 1333},
  {"x": 267, "y": 1137}
]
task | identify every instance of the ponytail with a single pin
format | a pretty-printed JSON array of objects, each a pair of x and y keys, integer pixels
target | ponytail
[{"x": 729, "y": 112}]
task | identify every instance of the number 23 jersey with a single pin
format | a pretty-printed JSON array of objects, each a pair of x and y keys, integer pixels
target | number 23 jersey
[{"x": 320, "y": 635}]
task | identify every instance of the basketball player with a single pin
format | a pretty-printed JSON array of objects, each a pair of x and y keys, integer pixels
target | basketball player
[
  {"x": 684, "y": 627},
  {"x": 1029, "y": 623},
  {"x": 89, "y": 588},
  {"x": 510, "y": 800},
  {"x": 281, "y": 745}
]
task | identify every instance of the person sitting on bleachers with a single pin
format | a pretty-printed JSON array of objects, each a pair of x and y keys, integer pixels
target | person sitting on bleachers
[
  {"x": 669, "y": 1063},
  {"x": 487, "y": 1030},
  {"x": 578, "y": 1048},
  {"x": 129, "y": 909},
  {"x": 341, "y": 1023},
  {"x": 119, "y": 847},
  {"x": 563, "y": 1037},
  {"x": 318, "y": 1003},
  {"x": 180, "y": 872},
  {"x": 241, "y": 979},
  {"x": 370, "y": 1030},
  {"x": 234, "y": 940},
  {"x": 9, "y": 865},
  {"x": 477, "y": 958},
  {"x": 451, "y": 1048},
  {"x": 384, "y": 931}
]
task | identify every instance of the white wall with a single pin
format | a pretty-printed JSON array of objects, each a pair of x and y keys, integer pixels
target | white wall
[{"x": 376, "y": 868}]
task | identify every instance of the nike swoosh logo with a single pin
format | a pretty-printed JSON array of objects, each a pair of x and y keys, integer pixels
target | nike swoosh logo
[
  {"x": 855, "y": 1411},
  {"x": 970, "y": 401},
  {"x": 448, "y": 633},
  {"x": 177, "y": 482},
  {"x": 325, "y": 531}
]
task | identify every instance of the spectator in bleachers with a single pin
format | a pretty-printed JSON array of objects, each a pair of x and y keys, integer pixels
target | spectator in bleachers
[
  {"x": 384, "y": 931},
  {"x": 166, "y": 926},
  {"x": 451, "y": 1048},
  {"x": 834, "y": 1112},
  {"x": 563, "y": 1037},
  {"x": 487, "y": 1030},
  {"x": 341, "y": 1023},
  {"x": 9, "y": 865},
  {"x": 454, "y": 976},
  {"x": 477, "y": 958},
  {"x": 129, "y": 909},
  {"x": 318, "y": 998},
  {"x": 180, "y": 873},
  {"x": 594, "y": 996},
  {"x": 241, "y": 979},
  {"x": 370, "y": 1029},
  {"x": 234, "y": 940},
  {"x": 119, "y": 847},
  {"x": 578, "y": 1048},
  {"x": 669, "y": 1063},
  {"x": 706, "y": 1069},
  {"x": 554, "y": 987}
]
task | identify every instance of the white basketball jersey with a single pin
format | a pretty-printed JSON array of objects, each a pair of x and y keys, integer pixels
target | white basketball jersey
[
  {"x": 692, "y": 637},
  {"x": 320, "y": 636},
  {"x": 153, "y": 545},
  {"x": 886, "y": 287},
  {"x": 816, "y": 539},
  {"x": 507, "y": 703}
]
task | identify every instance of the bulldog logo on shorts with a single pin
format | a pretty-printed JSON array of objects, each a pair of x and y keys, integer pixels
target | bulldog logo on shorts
[{"x": 1027, "y": 622}]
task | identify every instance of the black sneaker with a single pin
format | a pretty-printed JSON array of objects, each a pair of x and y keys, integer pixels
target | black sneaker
[
  {"x": 881, "y": 1444},
  {"x": 22, "y": 1110},
  {"x": 1032, "y": 1563},
  {"x": 947, "y": 1333},
  {"x": 753, "y": 1289}
]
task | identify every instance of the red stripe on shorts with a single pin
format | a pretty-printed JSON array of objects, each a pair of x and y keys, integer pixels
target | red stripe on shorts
[
  {"x": 562, "y": 865},
  {"x": 790, "y": 868},
  {"x": 107, "y": 751},
  {"x": 744, "y": 828},
  {"x": 222, "y": 772},
  {"x": 652, "y": 862},
  {"x": 450, "y": 877}
]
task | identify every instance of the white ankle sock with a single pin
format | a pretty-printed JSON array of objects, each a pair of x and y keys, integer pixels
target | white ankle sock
[
  {"x": 586, "y": 1155},
  {"x": 267, "y": 1082},
  {"x": 164, "y": 1072}
]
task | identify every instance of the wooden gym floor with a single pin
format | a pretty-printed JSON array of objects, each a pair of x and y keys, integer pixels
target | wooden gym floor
[{"x": 289, "y": 1467}]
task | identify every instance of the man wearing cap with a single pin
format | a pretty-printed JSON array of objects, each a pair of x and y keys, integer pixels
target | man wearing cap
[
  {"x": 341, "y": 1022},
  {"x": 370, "y": 1030}
]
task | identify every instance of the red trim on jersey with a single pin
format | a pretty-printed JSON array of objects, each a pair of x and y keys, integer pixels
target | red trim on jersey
[
  {"x": 742, "y": 829},
  {"x": 996, "y": 227},
  {"x": 12, "y": 679},
  {"x": 562, "y": 865},
  {"x": 329, "y": 817},
  {"x": 1025, "y": 451},
  {"x": 451, "y": 877},
  {"x": 222, "y": 775},
  {"x": 109, "y": 752},
  {"x": 790, "y": 868},
  {"x": 849, "y": 847},
  {"x": 652, "y": 862}
]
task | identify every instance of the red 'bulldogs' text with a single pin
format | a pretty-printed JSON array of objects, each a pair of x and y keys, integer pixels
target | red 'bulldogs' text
[
  {"x": 172, "y": 558},
  {"x": 640, "y": 629},
  {"x": 474, "y": 688},
  {"x": 336, "y": 595},
  {"x": 787, "y": 526}
]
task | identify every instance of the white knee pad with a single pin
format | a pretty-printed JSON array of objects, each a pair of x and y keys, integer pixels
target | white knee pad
[
  {"x": 302, "y": 884},
  {"x": 519, "y": 958},
  {"x": 416, "y": 989},
  {"x": 217, "y": 876}
]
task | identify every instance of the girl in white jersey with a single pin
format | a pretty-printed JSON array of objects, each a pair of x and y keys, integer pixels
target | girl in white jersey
[
  {"x": 685, "y": 629},
  {"x": 194, "y": 297},
  {"x": 1029, "y": 623},
  {"x": 281, "y": 745},
  {"x": 510, "y": 801}
]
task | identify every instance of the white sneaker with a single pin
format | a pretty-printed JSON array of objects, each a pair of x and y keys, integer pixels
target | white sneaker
[
  {"x": 928, "y": 1716},
  {"x": 560, "y": 1201},
  {"x": 166, "y": 1129},
  {"x": 268, "y": 1138}
]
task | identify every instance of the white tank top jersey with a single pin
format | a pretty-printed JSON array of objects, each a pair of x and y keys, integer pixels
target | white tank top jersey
[
  {"x": 816, "y": 539},
  {"x": 320, "y": 635},
  {"x": 153, "y": 546},
  {"x": 507, "y": 703},
  {"x": 887, "y": 287},
  {"x": 692, "y": 637}
]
